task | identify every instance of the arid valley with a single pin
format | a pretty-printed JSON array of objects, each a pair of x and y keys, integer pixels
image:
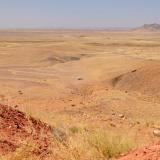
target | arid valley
[{"x": 99, "y": 90}]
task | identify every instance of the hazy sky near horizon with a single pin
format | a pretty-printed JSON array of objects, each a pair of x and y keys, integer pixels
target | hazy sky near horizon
[{"x": 78, "y": 13}]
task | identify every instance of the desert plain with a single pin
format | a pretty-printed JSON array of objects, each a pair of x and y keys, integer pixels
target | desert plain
[{"x": 97, "y": 87}]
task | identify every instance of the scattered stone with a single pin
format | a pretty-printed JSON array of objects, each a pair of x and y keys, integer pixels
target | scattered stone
[
  {"x": 138, "y": 122},
  {"x": 156, "y": 132},
  {"x": 134, "y": 71},
  {"x": 16, "y": 106},
  {"x": 80, "y": 79},
  {"x": 121, "y": 116},
  {"x": 20, "y": 92},
  {"x": 112, "y": 124},
  {"x": 73, "y": 105}
]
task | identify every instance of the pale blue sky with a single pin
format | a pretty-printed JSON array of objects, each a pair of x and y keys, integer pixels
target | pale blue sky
[{"x": 77, "y": 13}]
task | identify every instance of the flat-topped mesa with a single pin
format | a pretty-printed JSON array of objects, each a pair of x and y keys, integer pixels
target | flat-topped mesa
[{"x": 155, "y": 27}]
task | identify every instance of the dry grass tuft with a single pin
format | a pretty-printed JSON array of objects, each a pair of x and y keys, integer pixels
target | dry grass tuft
[{"x": 109, "y": 145}]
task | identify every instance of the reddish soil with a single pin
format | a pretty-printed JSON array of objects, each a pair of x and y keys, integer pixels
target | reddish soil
[
  {"x": 145, "y": 79},
  {"x": 16, "y": 128},
  {"x": 147, "y": 153}
]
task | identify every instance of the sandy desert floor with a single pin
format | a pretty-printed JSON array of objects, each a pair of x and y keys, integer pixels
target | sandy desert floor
[{"x": 97, "y": 80}]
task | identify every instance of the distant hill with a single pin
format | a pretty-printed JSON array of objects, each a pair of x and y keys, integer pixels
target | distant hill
[{"x": 149, "y": 28}]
